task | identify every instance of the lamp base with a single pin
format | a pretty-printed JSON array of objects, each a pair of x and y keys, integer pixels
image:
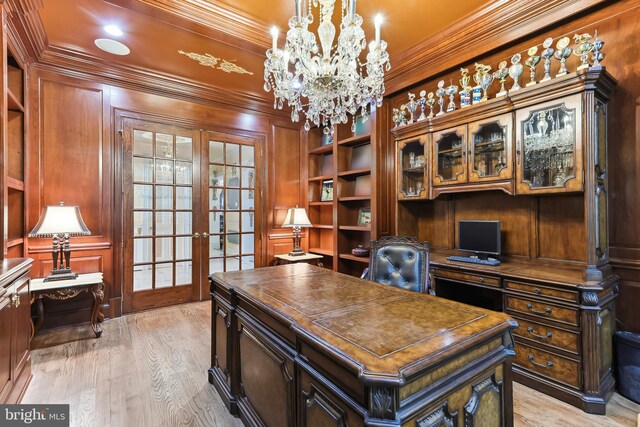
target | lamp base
[
  {"x": 61, "y": 274},
  {"x": 297, "y": 252}
]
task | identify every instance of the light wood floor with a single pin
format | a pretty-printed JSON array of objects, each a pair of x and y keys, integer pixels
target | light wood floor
[{"x": 149, "y": 369}]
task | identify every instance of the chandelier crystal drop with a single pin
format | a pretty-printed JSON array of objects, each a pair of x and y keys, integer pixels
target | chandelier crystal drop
[{"x": 321, "y": 81}]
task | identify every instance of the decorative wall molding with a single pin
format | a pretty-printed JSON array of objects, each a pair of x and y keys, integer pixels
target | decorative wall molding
[
  {"x": 25, "y": 28},
  {"x": 497, "y": 24},
  {"x": 79, "y": 65}
]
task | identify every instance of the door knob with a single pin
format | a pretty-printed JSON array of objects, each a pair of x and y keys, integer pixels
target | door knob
[
  {"x": 196, "y": 235},
  {"x": 205, "y": 235}
]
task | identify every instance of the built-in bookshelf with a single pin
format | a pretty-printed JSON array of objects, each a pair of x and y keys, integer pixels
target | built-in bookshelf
[
  {"x": 348, "y": 161},
  {"x": 13, "y": 173}
]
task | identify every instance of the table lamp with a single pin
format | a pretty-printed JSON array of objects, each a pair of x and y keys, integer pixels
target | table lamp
[
  {"x": 59, "y": 223},
  {"x": 296, "y": 218}
]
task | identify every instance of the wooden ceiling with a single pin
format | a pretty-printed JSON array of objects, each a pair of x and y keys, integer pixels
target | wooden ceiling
[{"x": 236, "y": 31}]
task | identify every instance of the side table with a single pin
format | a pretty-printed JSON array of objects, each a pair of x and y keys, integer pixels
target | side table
[
  {"x": 288, "y": 259},
  {"x": 62, "y": 290}
]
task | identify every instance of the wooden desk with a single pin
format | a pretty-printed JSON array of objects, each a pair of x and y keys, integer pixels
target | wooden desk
[
  {"x": 288, "y": 259},
  {"x": 299, "y": 345},
  {"x": 566, "y": 323},
  {"x": 62, "y": 290}
]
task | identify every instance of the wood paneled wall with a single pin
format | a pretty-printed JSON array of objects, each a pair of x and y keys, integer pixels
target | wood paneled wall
[
  {"x": 74, "y": 154},
  {"x": 617, "y": 24}
]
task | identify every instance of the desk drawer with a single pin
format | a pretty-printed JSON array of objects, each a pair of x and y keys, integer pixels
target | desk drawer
[
  {"x": 466, "y": 277},
  {"x": 542, "y": 291},
  {"x": 542, "y": 309},
  {"x": 548, "y": 365},
  {"x": 547, "y": 335}
]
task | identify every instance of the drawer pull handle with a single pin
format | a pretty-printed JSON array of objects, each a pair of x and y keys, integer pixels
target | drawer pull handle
[
  {"x": 533, "y": 362},
  {"x": 15, "y": 299},
  {"x": 481, "y": 279},
  {"x": 530, "y": 330},
  {"x": 536, "y": 291},
  {"x": 546, "y": 311}
]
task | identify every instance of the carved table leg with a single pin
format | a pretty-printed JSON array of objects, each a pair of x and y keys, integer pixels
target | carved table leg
[{"x": 96, "y": 316}]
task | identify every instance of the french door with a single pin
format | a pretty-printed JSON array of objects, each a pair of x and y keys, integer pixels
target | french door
[{"x": 191, "y": 208}]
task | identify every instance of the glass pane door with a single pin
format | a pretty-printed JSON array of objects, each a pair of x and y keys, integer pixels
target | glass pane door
[
  {"x": 450, "y": 156},
  {"x": 159, "y": 216},
  {"x": 490, "y": 143},
  {"x": 232, "y": 204}
]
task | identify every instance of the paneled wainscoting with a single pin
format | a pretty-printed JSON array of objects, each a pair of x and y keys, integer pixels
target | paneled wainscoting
[{"x": 149, "y": 369}]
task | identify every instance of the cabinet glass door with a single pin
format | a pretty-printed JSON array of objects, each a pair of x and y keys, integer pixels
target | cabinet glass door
[
  {"x": 549, "y": 154},
  {"x": 411, "y": 168},
  {"x": 450, "y": 156},
  {"x": 490, "y": 149}
]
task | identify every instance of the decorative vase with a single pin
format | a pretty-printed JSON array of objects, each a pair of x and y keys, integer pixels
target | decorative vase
[{"x": 360, "y": 251}]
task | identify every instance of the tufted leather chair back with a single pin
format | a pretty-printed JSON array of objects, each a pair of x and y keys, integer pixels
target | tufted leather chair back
[{"x": 402, "y": 262}]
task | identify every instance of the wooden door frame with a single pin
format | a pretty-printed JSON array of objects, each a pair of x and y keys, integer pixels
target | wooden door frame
[
  {"x": 119, "y": 116},
  {"x": 156, "y": 297}
]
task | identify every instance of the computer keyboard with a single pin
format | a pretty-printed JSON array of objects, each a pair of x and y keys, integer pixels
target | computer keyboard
[{"x": 475, "y": 260}]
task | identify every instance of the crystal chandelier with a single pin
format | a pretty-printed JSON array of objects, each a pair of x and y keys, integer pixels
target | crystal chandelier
[{"x": 325, "y": 82}]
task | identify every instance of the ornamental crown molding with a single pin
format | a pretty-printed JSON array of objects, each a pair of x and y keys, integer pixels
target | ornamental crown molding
[
  {"x": 77, "y": 64},
  {"x": 498, "y": 23},
  {"x": 225, "y": 21}
]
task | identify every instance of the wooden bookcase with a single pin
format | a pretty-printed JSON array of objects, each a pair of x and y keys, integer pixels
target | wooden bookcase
[
  {"x": 13, "y": 145},
  {"x": 353, "y": 163}
]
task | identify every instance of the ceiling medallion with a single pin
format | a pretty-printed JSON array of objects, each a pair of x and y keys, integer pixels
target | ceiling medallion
[
  {"x": 322, "y": 81},
  {"x": 209, "y": 60}
]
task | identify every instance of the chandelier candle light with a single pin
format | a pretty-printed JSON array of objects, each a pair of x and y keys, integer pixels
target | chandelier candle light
[{"x": 326, "y": 82}]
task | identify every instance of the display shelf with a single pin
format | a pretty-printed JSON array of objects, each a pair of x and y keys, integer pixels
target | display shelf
[
  {"x": 355, "y": 172},
  {"x": 326, "y": 226},
  {"x": 354, "y": 140},
  {"x": 13, "y": 102},
  {"x": 354, "y": 198},
  {"x": 320, "y": 178},
  {"x": 355, "y": 227},
  {"x": 364, "y": 260},
  {"x": 323, "y": 149},
  {"x": 321, "y": 251},
  {"x": 329, "y": 203},
  {"x": 15, "y": 184},
  {"x": 15, "y": 242}
]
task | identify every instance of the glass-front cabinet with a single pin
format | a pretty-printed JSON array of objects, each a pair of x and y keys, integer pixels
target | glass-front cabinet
[
  {"x": 450, "y": 156},
  {"x": 549, "y": 147},
  {"x": 412, "y": 166},
  {"x": 490, "y": 149}
]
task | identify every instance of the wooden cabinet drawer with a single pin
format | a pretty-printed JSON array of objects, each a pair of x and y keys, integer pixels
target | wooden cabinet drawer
[
  {"x": 542, "y": 309},
  {"x": 547, "y": 335},
  {"x": 548, "y": 365},
  {"x": 542, "y": 291},
  {"x": 466, "y": 277}
]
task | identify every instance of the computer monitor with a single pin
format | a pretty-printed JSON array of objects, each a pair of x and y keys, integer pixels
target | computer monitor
[{"x": 481, "y": 237}]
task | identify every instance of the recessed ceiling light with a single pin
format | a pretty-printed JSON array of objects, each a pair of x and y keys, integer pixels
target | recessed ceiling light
[
  {"x": 114, "y": 30},
  {"x": 112, "y": 46}
]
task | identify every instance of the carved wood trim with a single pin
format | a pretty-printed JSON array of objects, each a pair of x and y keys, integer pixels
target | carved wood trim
[
  {"x": 488, "y": 385},
  {"x": 383, "y": 403},
  {"x": 316, "y": 397},
  {"x": 440, "y": 417},
  {"x": 499, "y": 23}
]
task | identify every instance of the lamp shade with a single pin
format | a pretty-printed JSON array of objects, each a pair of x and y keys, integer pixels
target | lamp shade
[
  {"x": 296, "y": 217},
  {"x": 60, "y": 220}
]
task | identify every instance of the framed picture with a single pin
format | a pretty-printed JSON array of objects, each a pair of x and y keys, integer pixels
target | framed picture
[
  {"x": 327, "y": 191},
  {"x": 364, "y": 216}
]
